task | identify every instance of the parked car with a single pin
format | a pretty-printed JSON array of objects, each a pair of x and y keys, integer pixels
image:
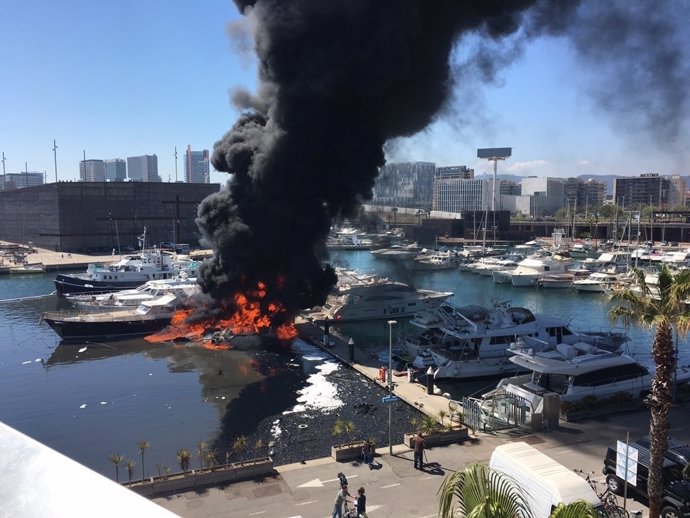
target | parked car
[
  {"x": 678, "y": 451},
  {"x": 676, "y": 496}
]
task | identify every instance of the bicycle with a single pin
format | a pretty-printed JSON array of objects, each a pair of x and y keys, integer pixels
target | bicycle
[{"x": 608, "y": 499}]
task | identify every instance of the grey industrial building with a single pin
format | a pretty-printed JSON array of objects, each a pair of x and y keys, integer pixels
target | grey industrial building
[{"x": 100, "y": 216}]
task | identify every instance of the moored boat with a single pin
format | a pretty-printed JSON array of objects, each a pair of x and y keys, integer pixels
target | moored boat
[{"x": 150, "y": 316}]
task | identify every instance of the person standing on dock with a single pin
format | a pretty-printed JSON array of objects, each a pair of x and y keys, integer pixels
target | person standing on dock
[{"x": 419, "y": 451}]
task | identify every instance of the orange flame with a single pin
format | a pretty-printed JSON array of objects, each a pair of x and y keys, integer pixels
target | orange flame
[{"x": 247, "y": 319}]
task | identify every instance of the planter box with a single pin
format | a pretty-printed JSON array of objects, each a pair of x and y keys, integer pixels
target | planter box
[
  {"x": 439, "y": 438},
  {"x": 222, "y": 474},
  {"x": 350, "y": 450}
]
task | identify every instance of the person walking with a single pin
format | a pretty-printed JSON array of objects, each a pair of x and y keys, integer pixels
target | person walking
[
  {"x": 340, "y": 501},
  {"x": 366, "y": 452},
  {"x": 419, "y": 451}
]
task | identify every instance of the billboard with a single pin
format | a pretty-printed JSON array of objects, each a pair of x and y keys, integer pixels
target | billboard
[{"x": 494, "y": 152}]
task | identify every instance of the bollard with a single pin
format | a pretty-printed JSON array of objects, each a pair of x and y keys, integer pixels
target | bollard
[
  {"x": 351, "y": 350},
  {"x": 430, "y": 381}
]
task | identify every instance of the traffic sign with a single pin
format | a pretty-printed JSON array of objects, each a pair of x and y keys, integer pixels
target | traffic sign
[{"x": 389, "y": 399}]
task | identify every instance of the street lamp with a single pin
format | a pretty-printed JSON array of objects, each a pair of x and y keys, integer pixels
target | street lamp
[{"x": 391, "y": 323}]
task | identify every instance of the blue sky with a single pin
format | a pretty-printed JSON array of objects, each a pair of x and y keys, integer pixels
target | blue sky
[{"x": 118, "y": 79}]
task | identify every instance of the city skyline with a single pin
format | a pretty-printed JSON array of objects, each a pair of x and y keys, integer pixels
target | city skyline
[{"x": 140, "y": 86}]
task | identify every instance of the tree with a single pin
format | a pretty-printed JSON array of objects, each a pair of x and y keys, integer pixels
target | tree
[
  {"x": 142, "y": 445},
  {"x": 130, "y": 464},
  {"x": 342, "y": 427},
  {"x": 484, "y": 493},
  {"x": 183, "y": 455},
  {"x": 211, "y": 457},
  {"x": 662, "y": 309},
  {"x": 117, "y": 458},
  {"x": 240, "y": 445},
  {"x": 201, "y": 448}
]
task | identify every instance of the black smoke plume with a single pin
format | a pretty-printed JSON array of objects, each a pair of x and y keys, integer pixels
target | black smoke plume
[{"x": 338, "y": 79}]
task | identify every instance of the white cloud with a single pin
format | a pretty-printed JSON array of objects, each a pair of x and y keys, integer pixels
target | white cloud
[{"x": 527, "y": 167}]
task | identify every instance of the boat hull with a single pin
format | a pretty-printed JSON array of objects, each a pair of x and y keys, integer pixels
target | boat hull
[
  {"x": 70, "y": 285},
  {"x": 73, "y": 330}
]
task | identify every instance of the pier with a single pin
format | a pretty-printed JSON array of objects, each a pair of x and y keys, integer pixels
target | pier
[{"x": 411, "y": 392}]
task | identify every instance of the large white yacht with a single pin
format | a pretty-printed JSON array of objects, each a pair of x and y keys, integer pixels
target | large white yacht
[
  {"x": 577, "y": 370},
  {"x": 475, "y": 342},
  {"x": 368, "y": 297},
  {"x": 529, "y": 270}
]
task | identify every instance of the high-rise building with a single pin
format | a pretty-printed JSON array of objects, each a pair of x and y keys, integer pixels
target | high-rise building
[
  {"x": 455, "y": 194},
  {"x": 143, "y": 168},
  {"x": 115, "y": 170},
  {"x": 455, "y": 171},
  {"x": 405, "y": 184},
  {"x": 584, "y": 195},
  {"x": 647, "y": 189},
  {"x": 677, "y": 191},
  {"x": 197, "y": 166},
  {"x": 546, "y": 195},
  {"x": 92, "y": 170}
]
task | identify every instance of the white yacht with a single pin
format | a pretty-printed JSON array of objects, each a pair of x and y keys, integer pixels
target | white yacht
[
  {"x": 577, "y": 370},
  {"x": 397, "y": 252},
  {"x": 598, "y": 282},
  {"x": 182, "y": 287},
  {"x": 436, "y": 260},
  {"x": 529, "y": 270},
  {"x": 474, "y": 342},
  {"x": 368, "y": 297}
]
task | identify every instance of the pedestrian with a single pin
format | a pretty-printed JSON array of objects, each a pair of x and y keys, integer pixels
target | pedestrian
[
  {"x": 340, "y": 501},
  {"x": 419, "y": 451},
  {"x": 366, "y": 452},
  {"x": 361, "y": 503}
]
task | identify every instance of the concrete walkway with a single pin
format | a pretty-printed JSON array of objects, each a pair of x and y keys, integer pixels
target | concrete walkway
[{"x": 394, "y": 488}]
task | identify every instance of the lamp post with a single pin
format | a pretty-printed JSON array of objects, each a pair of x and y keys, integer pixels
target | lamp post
[{"x": 391, "y": 323}]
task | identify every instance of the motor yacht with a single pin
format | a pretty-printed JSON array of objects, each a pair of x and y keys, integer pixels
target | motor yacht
[
  {"x": 528, "y": 271},
  {"x": 369, "y": 297},
  {"x": 78, "y": 326},
  {"x": 182, "y": 287},
  {"x": 475, "y": 342},
  {"x": 600, "y": 282},
  {"x": 574, "y": 371},
  {"x": 437, "y": 260}
]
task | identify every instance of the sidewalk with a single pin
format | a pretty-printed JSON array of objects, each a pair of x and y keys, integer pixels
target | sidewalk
[{"x": 394, "y": 488}]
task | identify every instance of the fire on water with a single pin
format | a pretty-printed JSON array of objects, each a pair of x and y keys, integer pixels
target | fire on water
[{"x": 247, "y": 319}]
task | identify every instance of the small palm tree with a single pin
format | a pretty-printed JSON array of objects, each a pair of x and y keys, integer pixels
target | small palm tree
[
  {"x": 428, "y": 424},
  {"x": 442, "y": 415},
  {"x": 484, "y": 493},
  {"x": 240, "y": 445},
  {"x": 201, "y": 448},
  {"x": 663, "y": 309},
  {"x": 117, "y": 458},
  {"x": 142, "y": 445},
  {"x": 130, "y": 468},
  {"x": 342, "y": 427},
  {"x": 183, "y": 455},
  {"x": 211, "y": 457},
  {"x": 258, "y": 446}
]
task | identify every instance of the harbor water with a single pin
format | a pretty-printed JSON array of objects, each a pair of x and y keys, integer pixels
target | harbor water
[{"x": 89, "y": 401}]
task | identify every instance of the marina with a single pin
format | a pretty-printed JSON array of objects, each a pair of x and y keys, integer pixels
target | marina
[{"x": 89, "y": 400}]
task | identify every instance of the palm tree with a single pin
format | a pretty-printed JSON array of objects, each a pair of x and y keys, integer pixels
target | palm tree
[
  {"x": 183, "y": 455},
  {"x": 211, "y": 457},
  {"x": 240, "y": 444},
  {"x": 142, "y": 445},
  {"x": 484, "y": 493},
  {"x": 664, "y": 310},
  {"x": 201, "y": 448},
  {"x": 130, "y": 468},
  {"x": 342, "y": 427},
  {"x": 117, "y": 458}
]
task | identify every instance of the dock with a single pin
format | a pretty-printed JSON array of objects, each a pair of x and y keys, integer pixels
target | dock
[{"x": 411, "y": 392}]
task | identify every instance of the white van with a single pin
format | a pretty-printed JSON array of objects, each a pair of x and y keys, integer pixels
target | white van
[{"x": 544, "y": 482}]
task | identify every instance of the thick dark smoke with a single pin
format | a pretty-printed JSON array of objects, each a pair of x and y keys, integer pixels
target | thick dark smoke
[{"x": 338, "y": 79}]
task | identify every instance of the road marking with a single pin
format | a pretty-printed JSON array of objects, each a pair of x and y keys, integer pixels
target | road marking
[
  {"x": 258, "y": 512},
  {"x": 312, "y": 483},
  {"x": 428, "y": 478},
  {"x": 307, "y": 503},
  {"x": 389, "y": 485}
]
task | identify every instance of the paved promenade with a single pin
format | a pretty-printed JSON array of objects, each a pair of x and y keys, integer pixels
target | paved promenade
[{"x": 394, "y": 488}]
